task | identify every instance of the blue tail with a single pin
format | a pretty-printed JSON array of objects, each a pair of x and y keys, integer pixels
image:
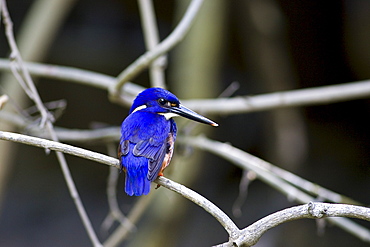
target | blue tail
[{"x": 137, "y": 182}]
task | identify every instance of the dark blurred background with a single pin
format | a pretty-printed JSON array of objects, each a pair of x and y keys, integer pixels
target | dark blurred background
[{"x": 266, "y": 46}]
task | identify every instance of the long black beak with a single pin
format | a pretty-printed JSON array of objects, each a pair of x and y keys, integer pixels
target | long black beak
[{"x": 187, "y": 113}]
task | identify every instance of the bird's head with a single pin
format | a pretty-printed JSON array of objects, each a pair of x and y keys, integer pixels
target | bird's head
[{"x": 163, "y": 102}]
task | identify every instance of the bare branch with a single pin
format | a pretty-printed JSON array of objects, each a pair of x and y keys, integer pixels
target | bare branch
[
  {"x": 225, "y": 221},
  {"x": 300, "y": 97},
  {"x": 234, "y": 105},
  {"x": 284, "y": 181},
  {"x": 65, "y": 73},
  {"x": 57, "y": 146},
  {"x": 173, "y": 39},
  {"x": 135, "y": 214},
  {"x": 23, "y": 76},
  {"x": 115, "y": 214},
  {"x": 244, "y": 160},
  {"x": 247, "y": 161},
  {"x": 80, "y": 76},
  {"x": 26, "y": 82},
  {"x": 218, "y": 214},
  {"x": 261, "y": 168},
  {"x": 312, "y": 210},
  {"x": 251, "y": 234},
  {"x": 150, "y": 30}
]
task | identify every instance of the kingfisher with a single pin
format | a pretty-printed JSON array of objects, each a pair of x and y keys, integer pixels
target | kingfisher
[{"x": 148, "y": 136}]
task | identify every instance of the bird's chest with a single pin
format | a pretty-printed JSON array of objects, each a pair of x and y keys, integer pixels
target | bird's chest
[{"x": 144, "y": 126}]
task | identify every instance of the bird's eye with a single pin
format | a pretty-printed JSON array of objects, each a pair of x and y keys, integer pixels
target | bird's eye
[{"x": 162, "y": 101}]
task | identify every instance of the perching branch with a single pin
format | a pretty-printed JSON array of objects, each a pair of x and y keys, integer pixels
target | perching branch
[
  {"x": 60, "y": 147},
  {"x": 104, "y": 159},
  {"x": 244, "y": 237},
  {"x": 242, "y": 159},
  {"x": 217, "y": 213}
]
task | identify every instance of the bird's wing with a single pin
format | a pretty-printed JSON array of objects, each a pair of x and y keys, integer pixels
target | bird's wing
[
  {"x": 153, "y": 141},
  {"x": 154, "y": 153}
]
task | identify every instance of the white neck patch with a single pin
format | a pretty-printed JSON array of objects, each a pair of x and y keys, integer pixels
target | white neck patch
[
  {"x": 139, "y": 108},
  {"x": 168, "y": 115}
]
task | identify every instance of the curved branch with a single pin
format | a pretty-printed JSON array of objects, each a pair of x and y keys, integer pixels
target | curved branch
[
  {"x": 173, "y": 39},
  {"x": 201, "y": 201},
  {"x": 251, "y": 234},
  {"x": 225, "y": 221},
  {"x": 313, "y": 210},
  {"x": 80, "y": 76}
]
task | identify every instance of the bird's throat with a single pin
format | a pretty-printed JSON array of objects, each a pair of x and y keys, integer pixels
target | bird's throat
[{"x": 168, "y": 115}]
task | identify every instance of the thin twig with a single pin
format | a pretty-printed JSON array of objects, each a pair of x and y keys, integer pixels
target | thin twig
[
  {"x": 138, "y": 209},
  {"x": 166, "y": 45},
  {"x": 245, "y": 181},
  {"x": 27, "y": 84}
]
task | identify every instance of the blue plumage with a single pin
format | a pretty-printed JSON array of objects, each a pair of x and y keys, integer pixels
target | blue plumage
[{"x": 148, "y": 135}]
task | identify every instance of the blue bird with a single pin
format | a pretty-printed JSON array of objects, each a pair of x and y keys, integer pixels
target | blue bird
[{"x": 148, "y": 137}]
